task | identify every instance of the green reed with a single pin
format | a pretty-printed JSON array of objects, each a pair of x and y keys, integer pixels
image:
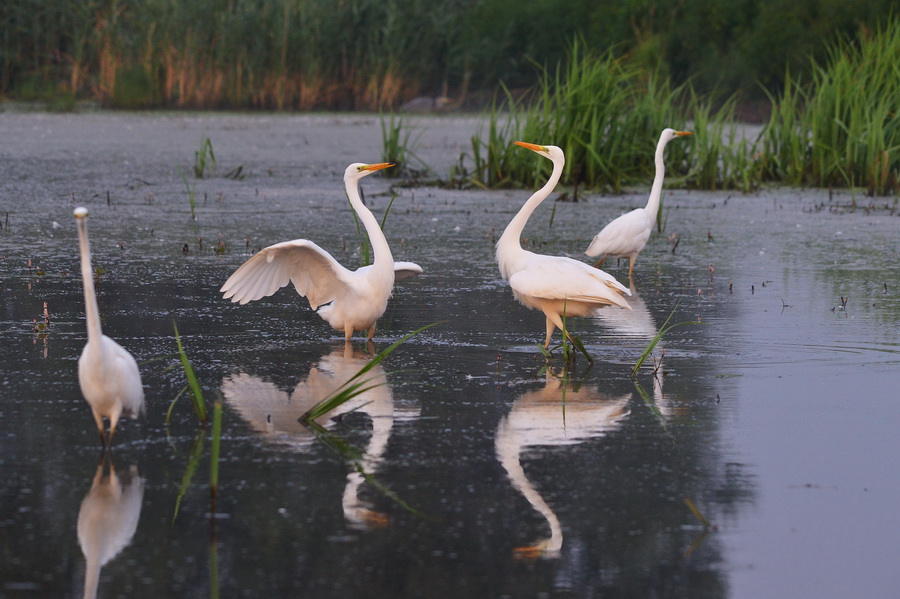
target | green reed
[
  {"x": 842, "y": 128},
  {"x": 398, "y": 147},
  {"x": 195, "y": 392},
  {"x": 606, "y": 114},
  {"x": 665, "y": 328},
  {"x": 355, "y": 385},
  {"x": 203, "y": 158}
]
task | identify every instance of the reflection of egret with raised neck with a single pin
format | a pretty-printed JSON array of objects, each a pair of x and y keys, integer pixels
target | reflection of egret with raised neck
[
  {"x": 557, "y": 414},
  {"x": 348, "y": 300},
  {"x": 274, "y": 413},
  {"x": 556, "y": 285},
  {"x": 108, "y": 375},
  {"x": 107, "y": 520}
]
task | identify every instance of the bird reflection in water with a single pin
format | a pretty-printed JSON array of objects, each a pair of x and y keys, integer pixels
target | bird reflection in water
[
  {"x": 637, "y": 323},
  {"x": 107, "y": 519},
  {"x": 274, "y": 413},
  {"x": 558, "y": 414}
]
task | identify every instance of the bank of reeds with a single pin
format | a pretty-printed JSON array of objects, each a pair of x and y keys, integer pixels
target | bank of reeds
[
  {"x": 606, "y": 114},
  {"x": 842, "y": 128},
  {"x": 284, "y": 54}
]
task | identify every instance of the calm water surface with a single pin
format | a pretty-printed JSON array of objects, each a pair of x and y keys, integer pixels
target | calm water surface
[{"x": 486, "y": 474}]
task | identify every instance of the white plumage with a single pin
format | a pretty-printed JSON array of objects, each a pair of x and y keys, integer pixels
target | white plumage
[
  {"x": 347, "y": 300},
  {"x": 108, "y": 375},
  {"x": 556, "y": 285},
  {"x": 627, "y": 235}
]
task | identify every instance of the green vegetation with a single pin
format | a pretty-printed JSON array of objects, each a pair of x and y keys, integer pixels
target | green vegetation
[
  {"x": 355, "y": 385},
  {"x": 665, "y": 328},
  {"x": 366, "y": 54},
  {"x": 598, "y": 79},
  {"x": 204, "y": 157},
  {"x": 843, "y": 129},
  {"x": 193, "y": 384}
]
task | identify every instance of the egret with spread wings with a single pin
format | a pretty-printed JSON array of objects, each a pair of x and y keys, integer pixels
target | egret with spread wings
[{"x": 347, "y": 300}]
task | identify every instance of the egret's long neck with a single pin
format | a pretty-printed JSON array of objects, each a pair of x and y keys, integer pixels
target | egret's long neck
[
  {"x": 87, "y": 278},
  {"x": 656, "y": 190},
  {"x": 510, "y": 240},
  {"x": 383, "y": 259}
]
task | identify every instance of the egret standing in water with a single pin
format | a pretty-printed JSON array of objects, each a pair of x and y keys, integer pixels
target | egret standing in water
[
  {"x": 627, "y": 235},
  {"x": 556, "y": 285},
  {"x": 109, "y": 377},
  {"x": 347, "y": 300}
]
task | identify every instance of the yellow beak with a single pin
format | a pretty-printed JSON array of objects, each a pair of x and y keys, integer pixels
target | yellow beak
[
  {"x": 533, "y": 147},
  {"x": 377, "y": 167}
]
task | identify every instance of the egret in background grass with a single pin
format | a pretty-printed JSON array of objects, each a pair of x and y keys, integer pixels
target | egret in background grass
[
  {"x": 556, "y": 285},
  {"x": 347, "y": 300},
  {"x": 109, "y": 377},
  {"x": 627, "y": 235}
]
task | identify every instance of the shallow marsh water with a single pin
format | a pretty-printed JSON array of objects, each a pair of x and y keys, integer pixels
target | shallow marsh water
[{"x": 776, "y": 417}]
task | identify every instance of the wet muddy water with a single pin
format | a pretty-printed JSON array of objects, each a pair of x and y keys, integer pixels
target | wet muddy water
[{"x": 485, "y": 474}]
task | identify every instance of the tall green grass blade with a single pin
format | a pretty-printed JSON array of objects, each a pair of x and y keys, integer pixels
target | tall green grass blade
[
  {"x": 191, "y": 469},
  {"x": 192, "y": 197},
  {"x": 356, "y": 384},
  {"x": 196, "y": 392},
  {"x": 214, "y": 454},
  {"x": 665, "y": 328}
]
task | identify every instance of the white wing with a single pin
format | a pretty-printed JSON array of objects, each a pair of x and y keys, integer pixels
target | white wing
[
  {"x": 559, "y": 278},
  {"x": 314, "y": 273},
  {"x": 406, "y": 270}
]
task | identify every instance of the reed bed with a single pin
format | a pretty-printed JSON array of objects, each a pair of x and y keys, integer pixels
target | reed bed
[
  {"x": 841, "y": 129},
  {"x": 370, "y": 54},
  {"x": 606, "y": 114}
]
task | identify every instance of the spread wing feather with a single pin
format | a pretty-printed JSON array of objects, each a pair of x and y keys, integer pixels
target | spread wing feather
[{"x": 314, "y": 273}]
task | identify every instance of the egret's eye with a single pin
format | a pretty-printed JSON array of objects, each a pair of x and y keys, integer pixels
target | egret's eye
[{"x": 360, "y": 169}]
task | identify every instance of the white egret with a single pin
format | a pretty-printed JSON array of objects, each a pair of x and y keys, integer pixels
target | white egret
[
  {"x": 109, "y": 377},
  {"x": 627, "y": 235},
  {"x": 347, "y": 300},
  {"x": 556, "y": 285}
]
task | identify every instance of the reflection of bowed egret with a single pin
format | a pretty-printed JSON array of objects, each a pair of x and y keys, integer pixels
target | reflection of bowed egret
[
  {"x": 274, "y": 413},
  {"x": 627, "y": 235},
  {"x": 556, "y": 285},
  {"x": 107, "y": 520},
  {"x": 552, "y": 416},
  {"x": 347, "y": 300},
  {"x": 107, "y": 373}
]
